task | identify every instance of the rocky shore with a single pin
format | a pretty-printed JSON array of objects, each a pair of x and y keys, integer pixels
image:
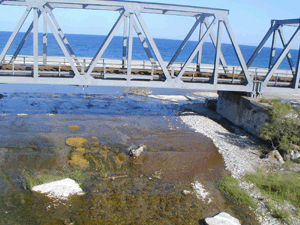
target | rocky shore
[{"x": 240, "y": 153}]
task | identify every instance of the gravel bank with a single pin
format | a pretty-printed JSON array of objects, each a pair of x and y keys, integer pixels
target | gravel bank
[
  {"x": 240, "y": 155},
  {"x": 238, "y": 150}
]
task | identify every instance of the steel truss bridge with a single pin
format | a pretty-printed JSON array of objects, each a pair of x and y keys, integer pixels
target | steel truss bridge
[{"x": 155, "y": 72}]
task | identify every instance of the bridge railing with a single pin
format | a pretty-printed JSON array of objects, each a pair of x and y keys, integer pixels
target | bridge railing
[{"x": 255, "y": 73}]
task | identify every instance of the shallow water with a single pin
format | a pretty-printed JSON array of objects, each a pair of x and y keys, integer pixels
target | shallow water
[{"x": 119, "y": 189}]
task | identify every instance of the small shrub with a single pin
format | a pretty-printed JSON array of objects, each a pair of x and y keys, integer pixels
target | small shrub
[
  {"x": 231, "y": 186},
  {"x": 281, "y": 130}
]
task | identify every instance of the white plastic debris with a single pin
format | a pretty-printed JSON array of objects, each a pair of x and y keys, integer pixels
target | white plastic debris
[{"x": 61, "y": 189}]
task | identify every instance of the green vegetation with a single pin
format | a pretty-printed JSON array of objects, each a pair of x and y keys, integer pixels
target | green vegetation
[
  {"x": 278, "y": 213},
  {"x": 78, "y": 175},
  {"x": 231, "y": 186},
  {"x": 278, "y": 187},
  {"x": 282, "y": 129},
  {"x": 31, "y": 180},
  {"x": 264, "y": 100}
]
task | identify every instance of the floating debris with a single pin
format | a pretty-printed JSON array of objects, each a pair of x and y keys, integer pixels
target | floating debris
[
  {"x": 136, "y": 152},
  {"x": 200, "y": 192}
]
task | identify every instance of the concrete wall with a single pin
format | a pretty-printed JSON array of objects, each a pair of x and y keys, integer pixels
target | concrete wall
[{"x": 242, "y": 110}]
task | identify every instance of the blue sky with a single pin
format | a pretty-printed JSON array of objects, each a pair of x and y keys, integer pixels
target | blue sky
[{"x": 249, "y": 19}]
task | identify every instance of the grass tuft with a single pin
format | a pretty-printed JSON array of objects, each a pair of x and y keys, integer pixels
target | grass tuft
[
  {"x": 278, "y": 187},
  {"x": 231, "y": 186},
  {"x": 31, "y": 180}
]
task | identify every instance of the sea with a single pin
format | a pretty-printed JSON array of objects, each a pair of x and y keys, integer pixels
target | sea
[{"x": 87, "y": 46}]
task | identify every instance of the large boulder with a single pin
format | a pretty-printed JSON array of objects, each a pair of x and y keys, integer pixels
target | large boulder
[
  {"x": 276, "y": 155},
  {"x": 220, "y": 219},
  {"x": 295, "y": 155}
]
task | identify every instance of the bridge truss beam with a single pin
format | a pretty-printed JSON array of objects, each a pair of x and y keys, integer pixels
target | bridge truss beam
[
  {"x": 160, "y": 73},
  {"x": 277, "y": 29}
]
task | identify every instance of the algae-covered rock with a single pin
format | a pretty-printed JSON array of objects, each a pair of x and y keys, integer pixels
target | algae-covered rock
[
  {"x": 77, "y": 159},
  {"x": 76, "y": 141}
]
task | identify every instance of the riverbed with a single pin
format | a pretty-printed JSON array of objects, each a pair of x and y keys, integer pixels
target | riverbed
[{"x": 118, "y": 189}]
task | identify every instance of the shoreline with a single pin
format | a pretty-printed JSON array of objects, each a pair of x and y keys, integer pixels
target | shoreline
[{"x": 240, "y": 155}]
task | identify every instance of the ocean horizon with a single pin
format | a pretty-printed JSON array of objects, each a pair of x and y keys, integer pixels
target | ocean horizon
[{"x": 86, "y": 45}]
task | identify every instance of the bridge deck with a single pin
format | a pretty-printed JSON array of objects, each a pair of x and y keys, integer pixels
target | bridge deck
[{"x": 111, "y": 69}]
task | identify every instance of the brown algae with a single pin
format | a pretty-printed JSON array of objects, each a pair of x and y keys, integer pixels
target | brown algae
[
  {"x": 76, "y": 142},
  {"x": 74, "y": 128}
]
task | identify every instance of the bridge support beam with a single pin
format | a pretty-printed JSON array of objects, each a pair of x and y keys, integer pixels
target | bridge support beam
[
  {"x": 45, "y": 41},
  {"x": 35, "y": 44}
]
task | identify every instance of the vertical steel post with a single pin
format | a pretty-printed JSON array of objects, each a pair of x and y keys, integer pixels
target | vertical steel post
[
  {"x": 21, "y": 44},
  {"x": 63, "y": 36},
  {"x": 60, "y": 43},
  {"x": 125, "y": 33},
  {"x": 35, "y": 44},
  {"x": 199, "y": 56},
  {"x": 130, "y": 43},
  {"x": 153, "y": 46},
  {"x": 237, "y": 51},
  {"x": 273, "y": 48},
  {"x": 144, "y": 43},
  {"x": 261, "y": 44},
  {"x": 45, "y": 42},
  {"x": 184, "y": 42},
  {"x": 105, "y": 43},
  {"x": 196, "y": 49},
  {"x": 297, "y": 75},
  {"x": 289, "y": 56},
  {"x": 14, "y": 34},
  {"x": 218, "y": 51},
  {"x": 281, "y": 56},
  {"x": 213, "y": 40}
]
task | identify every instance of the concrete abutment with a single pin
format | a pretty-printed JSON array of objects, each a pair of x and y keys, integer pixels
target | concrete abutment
[{"x": 243, "y": 111}]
